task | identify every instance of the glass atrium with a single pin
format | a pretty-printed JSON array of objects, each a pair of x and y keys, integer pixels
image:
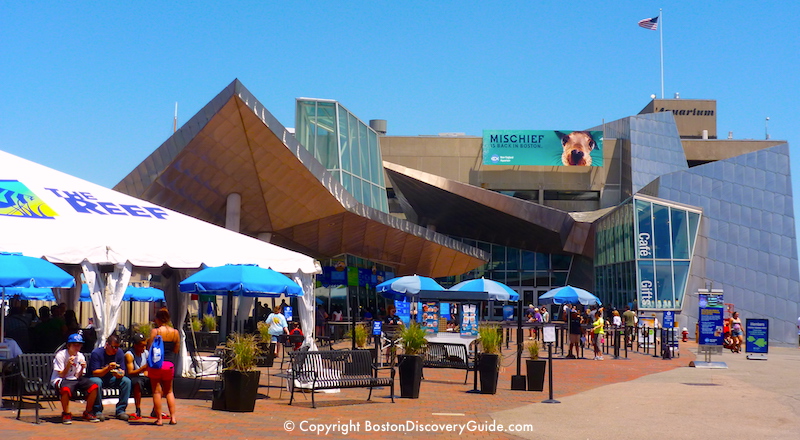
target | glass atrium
[
  {"x": 647, "y": 243},
  {"x": 347, "y": 147}
]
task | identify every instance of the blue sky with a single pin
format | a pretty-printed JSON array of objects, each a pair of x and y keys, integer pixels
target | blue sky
[{"x": 89, "y": 88}]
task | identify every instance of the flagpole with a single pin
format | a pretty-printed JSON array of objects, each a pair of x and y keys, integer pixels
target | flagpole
[{"x": 661, "y": 39}]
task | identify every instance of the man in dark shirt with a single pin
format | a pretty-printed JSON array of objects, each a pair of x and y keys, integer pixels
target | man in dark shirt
[{"x": 107, "y": 370}]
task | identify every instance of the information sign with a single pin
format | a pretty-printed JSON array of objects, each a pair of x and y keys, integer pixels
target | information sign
[
  {"x": 430, "y": 316},
  {"x": 287, "y": 313},
  {"x": 710, "y": 300},
  {"x": 549, "y": 333},
  {"x": 469, "y": 320},
  {"x": 756, "y": 335},
  {"x": 377, "y": 327},
  {"x": 710, "y": 325},
  {"x": 669, "y": 319},
  {"x": 508, "y": 313},
  {"x": 647, "y": 337},
  {"x": 403, "y": 310}
]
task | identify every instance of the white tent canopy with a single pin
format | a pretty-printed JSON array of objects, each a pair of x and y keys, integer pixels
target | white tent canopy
[{"x": 46, "y": 213}]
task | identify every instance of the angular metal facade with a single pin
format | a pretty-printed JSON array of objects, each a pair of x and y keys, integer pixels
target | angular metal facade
[{"x": 749, "y": 248}]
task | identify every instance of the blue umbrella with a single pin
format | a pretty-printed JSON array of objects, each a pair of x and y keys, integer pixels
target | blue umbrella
[
  {"x": 241, "y": 279},
  {"x": 31, "y": 293},
  {"x": 132, "y": 293},
  {"x": 17, "y": 270},
  {"x": 569, "y": 295},
  {"x": 497, "y": 291},
  {"x": 401, "y": 288}
]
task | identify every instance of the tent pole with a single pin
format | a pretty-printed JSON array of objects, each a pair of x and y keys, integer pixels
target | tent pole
[
  {"x": 3, "y": 323},
  {"x": 229, "y": 326}
]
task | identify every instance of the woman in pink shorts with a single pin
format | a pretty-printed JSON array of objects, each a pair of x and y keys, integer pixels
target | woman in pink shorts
[{"x": 161, "y": 378}]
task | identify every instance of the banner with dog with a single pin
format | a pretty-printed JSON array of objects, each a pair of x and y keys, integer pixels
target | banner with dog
[{"x": 543, "y": 147}]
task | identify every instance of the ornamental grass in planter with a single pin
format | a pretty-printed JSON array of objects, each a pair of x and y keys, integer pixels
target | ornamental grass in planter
[
  {"x": 144, "y": 328},
  {"x": 412, "y": 339},
  {"x": 360, "y": 335},
  {"x": 210, "y": 323},
  {"x": 265, "y": 345},
  {"x": 490, "y": 339},
  {"x": 240, "y": 377},
  {"x": 535, "y": 367}
]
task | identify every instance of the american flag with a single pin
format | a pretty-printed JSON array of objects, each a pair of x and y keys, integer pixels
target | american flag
[{"x": 649, "y": 23}]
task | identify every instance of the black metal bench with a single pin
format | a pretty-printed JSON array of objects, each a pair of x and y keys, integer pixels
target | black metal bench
[
  {"x": 325, "y": 370},
  {"x": 35, "y": 371},
  {"x": 447, "y": 355}
]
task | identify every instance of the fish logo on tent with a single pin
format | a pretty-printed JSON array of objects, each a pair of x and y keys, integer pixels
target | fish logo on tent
[{"x": 16, "y": 200}]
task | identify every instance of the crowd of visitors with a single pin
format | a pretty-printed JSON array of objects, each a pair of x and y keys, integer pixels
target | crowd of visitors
[{"x": 42, "y": 331}]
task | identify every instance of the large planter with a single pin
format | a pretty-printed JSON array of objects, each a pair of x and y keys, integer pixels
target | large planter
[
  {"x": 238, "y": 392},
  {"x": 207, "y": 341},
  {"x": 488, "y": 367},
  {"x": 536, "y": 371},
  {"x": 410, "y": 368},
  {"x": 267, "y": 358}
]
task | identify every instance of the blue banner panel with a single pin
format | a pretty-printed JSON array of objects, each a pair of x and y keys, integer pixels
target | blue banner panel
[
  {"x": 543, "y": 147},
  {"x": 756, "y": 335},
  {"x": 711, "y": 326}
]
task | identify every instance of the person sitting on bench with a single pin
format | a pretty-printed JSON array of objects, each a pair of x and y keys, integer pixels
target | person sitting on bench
[
  {"x": 69, "y": 367},
  {"x": 136, "y": 364}
]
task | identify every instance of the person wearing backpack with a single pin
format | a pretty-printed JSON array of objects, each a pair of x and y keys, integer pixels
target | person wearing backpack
[{"x": 163, "y": 345}]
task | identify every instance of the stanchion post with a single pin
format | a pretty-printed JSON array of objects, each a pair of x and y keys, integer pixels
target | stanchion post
[
  {"x": 626, "y": 342},
  {"x": 550, "y": 374},
  {"x": 518, "y": 381},
  {"x": 656, "y": 343},
  {"x": 475, "y": 370}
]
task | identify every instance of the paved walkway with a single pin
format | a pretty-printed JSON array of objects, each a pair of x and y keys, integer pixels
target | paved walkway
[{"x": 644, "y": 395}]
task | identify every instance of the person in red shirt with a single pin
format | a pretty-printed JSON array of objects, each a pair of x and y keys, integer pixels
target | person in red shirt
[{"x": 295, "y": 330}]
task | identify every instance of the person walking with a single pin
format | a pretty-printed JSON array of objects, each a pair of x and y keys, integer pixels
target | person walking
[
  {"x": 277, "y": 327},
  {"x": 737, "y": 332}
]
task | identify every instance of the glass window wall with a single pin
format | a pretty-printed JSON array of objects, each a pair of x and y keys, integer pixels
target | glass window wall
[
  {"x": 344, "y": 145},
  {"x": 654, "y": 270}
]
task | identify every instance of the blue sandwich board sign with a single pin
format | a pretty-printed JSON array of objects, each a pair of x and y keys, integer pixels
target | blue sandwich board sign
[{"x": 757, "y": 335}]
